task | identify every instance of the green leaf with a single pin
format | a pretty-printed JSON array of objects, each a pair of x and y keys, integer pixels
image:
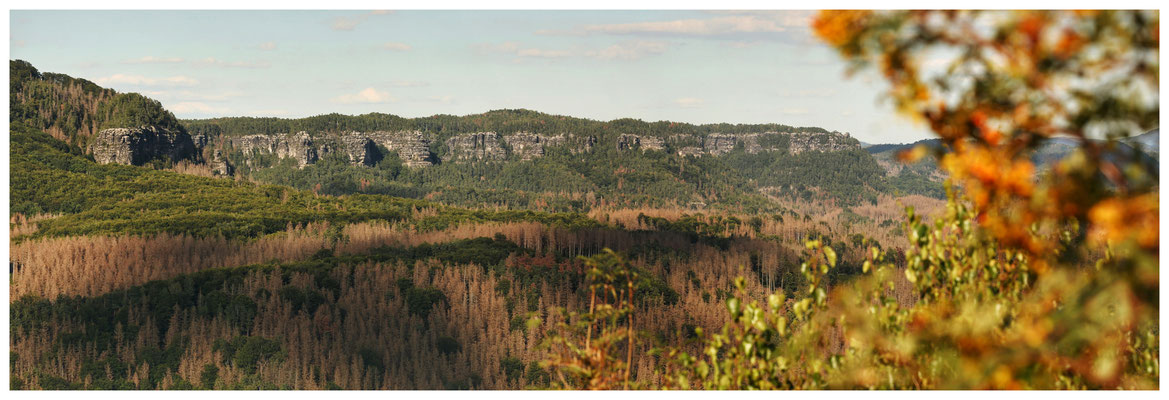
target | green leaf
[
  {"x": 831, "y": 255},
  {"x": 733, "y": 305}
]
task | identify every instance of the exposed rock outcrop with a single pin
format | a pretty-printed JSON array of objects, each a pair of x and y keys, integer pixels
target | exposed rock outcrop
[
  {"x": 137, "y": 146},
  {"x": 219, "y": 164},
  {"x": 804, "y": 141},
  {"x": 690, "y": 151},
  {"x": 360, "y": 149},
  {"x": 583, "y": 144},
  {"x": 299, "y": 146},
  {"x": 717, "y": 144},
  {"x": 414, "y": 147},
  {"x": 474, "y": 146},
  {"x": 529, "y": 145},
  {"x": 644, "y": 143}
]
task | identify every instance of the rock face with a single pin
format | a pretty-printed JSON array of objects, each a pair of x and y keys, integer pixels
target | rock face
[
  {"x": 219, "y": 164},
  {"x": 487, "y": 146},
  {"x": 362, "y": 148},
  {"x": 529, "y": 145},
  {"x": 137, "y": 146},
  {"x": 474, "y": 146},
  {"x": 644, "y": 143},
  {"x": 413, "y": 147},
  {"x": 803, "y": 141},
  {"x": 717, "y": 144},
  {"x": 415, "y": 151},
  {"x": 298, "y": 146}
]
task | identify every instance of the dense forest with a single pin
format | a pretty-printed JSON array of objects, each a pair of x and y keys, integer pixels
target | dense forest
[
  {"x": 567, "y": 180},
  {"x": 563, "y": 181},
  {"x": 74, "y": 109},
  {"x": 499, "y": 121},
  {"x": 129, "y": 277},
  {"x": 51, "y": 177}
]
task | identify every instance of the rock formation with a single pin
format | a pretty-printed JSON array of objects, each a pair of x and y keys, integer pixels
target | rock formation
[
  {"x": 414, "y": 147},
  {"x": 529, "y": 145},
  {"x": 360, "y": 148},
  {"x": 137, "y": 146},
  {"x": 474, "y": 146},
  {"x": 219, "y": 164},
  {"x": 717, "y": 144},
  {"x": 299, "y": 146},
  {"x": 644, "y": 143},
  {"x": 804, "y": 141}
]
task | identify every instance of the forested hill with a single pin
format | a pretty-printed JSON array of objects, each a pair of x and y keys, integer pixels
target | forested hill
[
  {"x": 517, "y": 159},
  {"x": 500, "y": 121},
  {"x": 74, "y": 109}
]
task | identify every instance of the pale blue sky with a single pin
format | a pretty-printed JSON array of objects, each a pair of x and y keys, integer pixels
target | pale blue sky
[{"x": 691, "y": 66}]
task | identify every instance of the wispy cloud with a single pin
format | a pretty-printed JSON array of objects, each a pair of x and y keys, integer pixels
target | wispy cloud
[
  {"x": 139, "y": 80},
  {"x": 351, "y": 23},
  {"x": 269, "y": 113},
  {"x": 488, "y": 48},
  {"x": 795, "y": 111},
  {"x": 404, "y": 84},
  {"x": 819, "y": 92},
  {"x": 215, "y": 62},
  {"x": 734, "y": 25},
  {"x": 710, "y": 26},
  {"x": 543, "y": 53},
  {"x": 742, "y": 44},
  {"x": 346, "y": 23},
  {"x": 441, "y": 99},
  {"x": 628, "y": 50},
  {"x": 154, "y": 60},
  {"x": 267, "y": 46},
  {"x": 689, "y": 102},
  {"x": 396, "y": 46},
  {"x": 366, "y": 96}
]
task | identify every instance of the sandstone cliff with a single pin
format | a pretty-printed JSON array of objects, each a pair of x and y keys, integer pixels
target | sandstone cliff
[
  {"x": 362, "y": 148},
  {"x": 474, "y": 146},
  {"x": 415, "y": 148},
  {"x": 137, "y": 146},
  {"x": 717, "y": 144}
]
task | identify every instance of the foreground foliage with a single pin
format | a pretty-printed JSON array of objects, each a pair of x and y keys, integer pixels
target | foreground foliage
[{"x": 1033, "y": 282}]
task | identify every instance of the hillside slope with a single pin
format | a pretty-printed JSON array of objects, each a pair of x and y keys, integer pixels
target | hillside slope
[{"x": 516, "y": 159}]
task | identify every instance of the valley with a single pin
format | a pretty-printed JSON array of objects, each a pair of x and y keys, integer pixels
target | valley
[{"x": 280, "y": 260}]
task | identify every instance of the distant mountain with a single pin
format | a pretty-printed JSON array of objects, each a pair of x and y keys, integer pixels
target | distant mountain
[
  {"x": 1145, "y": 145},
  {"x": 881, "y": 148}
]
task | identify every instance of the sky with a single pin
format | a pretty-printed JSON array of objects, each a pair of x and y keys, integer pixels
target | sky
[{"x": 687, "y": 66}]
